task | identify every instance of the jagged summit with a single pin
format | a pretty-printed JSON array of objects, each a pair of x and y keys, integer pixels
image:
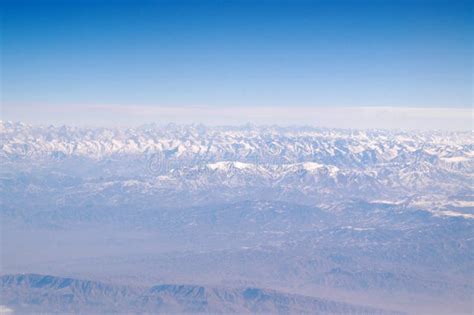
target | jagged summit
[{"x": 429, "y": 170}]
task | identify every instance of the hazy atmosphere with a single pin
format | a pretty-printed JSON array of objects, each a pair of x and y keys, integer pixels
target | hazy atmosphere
[
  {"x": 236, "y": 157},
  {"x": 61, "y": 58}
]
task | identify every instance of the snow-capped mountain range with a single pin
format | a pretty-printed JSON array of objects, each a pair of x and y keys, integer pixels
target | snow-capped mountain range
[
  {"x": 343, "y": 148},
  {"x": 430, "y": 170},
  {"x": 379, "y": 217}
]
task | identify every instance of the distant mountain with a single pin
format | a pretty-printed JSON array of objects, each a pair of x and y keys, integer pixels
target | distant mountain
[
  {"x": 429, "y": 170},
  {"x": 382, "y": 217},
  {"x": 33, "y": 293}
]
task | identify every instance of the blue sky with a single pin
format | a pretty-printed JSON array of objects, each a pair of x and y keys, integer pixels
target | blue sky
[{"x": 236, "y": 54}]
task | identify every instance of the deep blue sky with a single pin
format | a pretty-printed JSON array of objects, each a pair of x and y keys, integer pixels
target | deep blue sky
[{"x": 239, "y": 53}]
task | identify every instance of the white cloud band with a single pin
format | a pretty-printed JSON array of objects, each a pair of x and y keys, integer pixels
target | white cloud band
[{"x": 339, "y": 117}]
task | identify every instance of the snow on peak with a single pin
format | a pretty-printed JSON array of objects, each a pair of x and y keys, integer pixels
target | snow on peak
[
  {"x": 226, "y": 165},
  {"x": 312, "y": 166}
]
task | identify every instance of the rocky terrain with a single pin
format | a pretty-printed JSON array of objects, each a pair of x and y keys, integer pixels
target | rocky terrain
[
  {"x": 378, "y": 218},
  {"x": 32, "y": 293}
]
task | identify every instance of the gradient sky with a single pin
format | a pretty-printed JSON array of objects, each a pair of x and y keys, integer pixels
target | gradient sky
[{"x": 236, "y": 53}]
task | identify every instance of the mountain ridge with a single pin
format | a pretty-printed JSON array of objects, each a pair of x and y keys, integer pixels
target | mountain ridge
[{"x": 30, "y": 293}]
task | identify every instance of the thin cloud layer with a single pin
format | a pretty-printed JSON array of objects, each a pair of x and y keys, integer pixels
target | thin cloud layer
[{"x": 337, "y": 117}]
